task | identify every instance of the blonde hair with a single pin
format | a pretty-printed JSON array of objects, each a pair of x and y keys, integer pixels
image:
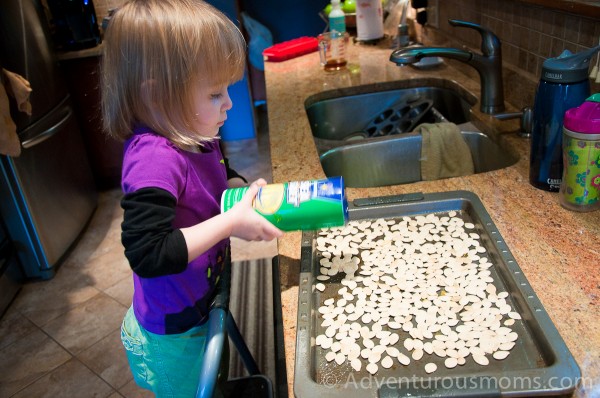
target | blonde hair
[{"x": 155, "y": 53}]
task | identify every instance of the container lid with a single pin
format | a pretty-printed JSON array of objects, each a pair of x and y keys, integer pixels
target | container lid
[
  {"x": 290, "y": 49},
  {"x": 568, "y": 67},
  {"x": 584, "y": 119}
]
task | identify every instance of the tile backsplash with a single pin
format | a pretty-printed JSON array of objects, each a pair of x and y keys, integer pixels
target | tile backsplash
[{"x": 529, "y": 33}]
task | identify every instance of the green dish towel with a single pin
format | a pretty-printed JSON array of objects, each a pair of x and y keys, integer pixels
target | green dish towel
[{"x": 444, "y": 152}]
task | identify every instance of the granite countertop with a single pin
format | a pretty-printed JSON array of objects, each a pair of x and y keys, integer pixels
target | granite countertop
[{"x": 558, "y": 250}]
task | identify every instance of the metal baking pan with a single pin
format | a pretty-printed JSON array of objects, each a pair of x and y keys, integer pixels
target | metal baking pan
[{"x": 539, "y": 365}]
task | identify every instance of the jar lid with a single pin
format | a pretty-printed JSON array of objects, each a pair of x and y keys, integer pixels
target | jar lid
[{"x": 584, "y": 119}]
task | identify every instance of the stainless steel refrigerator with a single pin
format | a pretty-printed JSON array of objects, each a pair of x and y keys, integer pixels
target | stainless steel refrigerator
[{"x": 47, "y": 194}]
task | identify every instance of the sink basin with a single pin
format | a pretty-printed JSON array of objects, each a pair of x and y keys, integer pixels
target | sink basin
[
  {"x": 396, "y": 160},
  {"x": 376, "y": 109},
  {"x": 365, "y": 133}
]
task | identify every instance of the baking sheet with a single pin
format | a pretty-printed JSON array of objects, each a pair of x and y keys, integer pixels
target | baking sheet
[{"x": 539, "y": 364}]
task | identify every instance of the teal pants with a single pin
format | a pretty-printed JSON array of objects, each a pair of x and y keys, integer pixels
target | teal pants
[{"x": 168, "y": 365}]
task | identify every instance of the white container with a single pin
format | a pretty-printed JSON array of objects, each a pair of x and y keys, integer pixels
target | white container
[{"x": 369, "y": 20}]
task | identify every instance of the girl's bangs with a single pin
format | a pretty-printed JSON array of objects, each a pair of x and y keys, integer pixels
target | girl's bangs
[{"x": 223, "y": 55}]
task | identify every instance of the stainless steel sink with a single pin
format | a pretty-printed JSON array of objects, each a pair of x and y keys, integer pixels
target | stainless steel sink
[
  {"x": 339, "y": 114},
  {"x": 396, "y": 160},
  {"x": 365, "y": 133}
]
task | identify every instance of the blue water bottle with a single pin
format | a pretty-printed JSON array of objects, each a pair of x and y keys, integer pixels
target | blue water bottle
[{"x": 564, "y": 85}]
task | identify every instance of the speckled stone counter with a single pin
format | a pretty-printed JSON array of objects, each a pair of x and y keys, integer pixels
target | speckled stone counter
[{"x": 558, "y": 250}]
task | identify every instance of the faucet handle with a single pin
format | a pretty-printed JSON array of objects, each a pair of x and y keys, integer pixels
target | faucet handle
[
  {"x": 490, "y": 43},
  {"x": 526, "y": 116}
]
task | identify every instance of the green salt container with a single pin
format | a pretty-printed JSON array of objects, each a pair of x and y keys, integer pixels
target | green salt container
[{"x": 298, "y": 205}]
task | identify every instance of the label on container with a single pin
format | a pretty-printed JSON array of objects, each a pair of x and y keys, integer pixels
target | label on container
[
  {"x": 580, "y": 187},
  {"x": 298, "y": 205},
  {"x": 337, "y": 23}
]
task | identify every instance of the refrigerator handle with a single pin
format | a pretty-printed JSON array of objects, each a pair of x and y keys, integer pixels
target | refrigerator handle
[{"x": 48, "y": 132}]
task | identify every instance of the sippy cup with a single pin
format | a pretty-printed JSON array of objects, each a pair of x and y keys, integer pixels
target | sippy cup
[{"x": 580, "y": 186}]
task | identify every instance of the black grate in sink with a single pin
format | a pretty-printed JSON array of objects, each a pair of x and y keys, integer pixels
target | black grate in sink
[{"x": 401, "y": 117}]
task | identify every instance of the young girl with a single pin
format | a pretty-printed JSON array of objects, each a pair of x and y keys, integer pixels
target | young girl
[{"x": 166, "y": 68}]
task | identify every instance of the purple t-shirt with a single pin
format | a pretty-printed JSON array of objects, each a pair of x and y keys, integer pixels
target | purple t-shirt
[{"x": 175, "y": 303}]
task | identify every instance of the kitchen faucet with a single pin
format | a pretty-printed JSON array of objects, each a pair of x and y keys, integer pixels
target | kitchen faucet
[{"x": 488, "y": 64}]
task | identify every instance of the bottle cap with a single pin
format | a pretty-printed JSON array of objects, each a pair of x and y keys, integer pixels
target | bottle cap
[
  {"x": 584, "y": 119},
  {"x": 568, "y": 67}
]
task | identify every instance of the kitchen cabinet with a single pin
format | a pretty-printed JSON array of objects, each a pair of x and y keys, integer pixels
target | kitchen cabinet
[
  {"x": 578, "y": 7},
  {"x": 105, "y": 153}
]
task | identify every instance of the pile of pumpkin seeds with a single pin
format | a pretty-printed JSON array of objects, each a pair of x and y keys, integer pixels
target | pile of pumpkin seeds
[{"x": 412, "y": 288}]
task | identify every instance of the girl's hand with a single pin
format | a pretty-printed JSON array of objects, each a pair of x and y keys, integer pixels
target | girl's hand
[{"x": 247, "y": 224}]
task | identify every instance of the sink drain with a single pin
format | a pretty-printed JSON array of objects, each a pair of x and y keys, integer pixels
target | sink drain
[{"x": 356, "y": 136}]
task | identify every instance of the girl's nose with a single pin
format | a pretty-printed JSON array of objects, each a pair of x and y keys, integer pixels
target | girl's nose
[{"x": 227, "y": 103}]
